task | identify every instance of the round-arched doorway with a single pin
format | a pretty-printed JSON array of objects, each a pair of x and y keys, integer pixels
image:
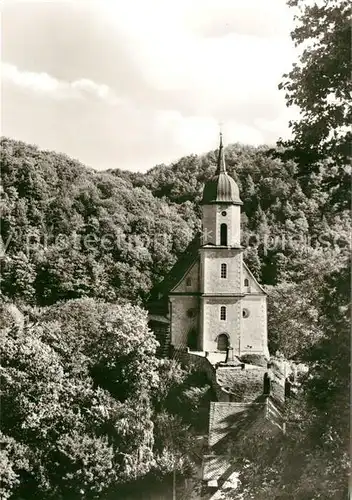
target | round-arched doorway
[{"x": 222, "y": 342}]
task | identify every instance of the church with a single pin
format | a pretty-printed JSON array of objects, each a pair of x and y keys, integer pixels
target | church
[{"x": 210, "y": 301}]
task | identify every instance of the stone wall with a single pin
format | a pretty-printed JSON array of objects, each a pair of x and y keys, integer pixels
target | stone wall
[
  {"x": 234, "y": 384},
  {"x": 242, "y": 385}
]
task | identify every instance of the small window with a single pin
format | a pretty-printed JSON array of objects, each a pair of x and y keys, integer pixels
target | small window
[
  {"x": 191, "y": 313},
  {"x": 223, "y": 272},
  {"x": 223, "y": 313},
  {"x": 224, "y": 213},
  {"x": 188, "y": 282},
  {"x": 245, "y": 313},
  {"x": 246, "y": 282}
]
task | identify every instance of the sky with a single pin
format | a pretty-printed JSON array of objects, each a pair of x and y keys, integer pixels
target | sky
[{"x": 131, "y": 84}]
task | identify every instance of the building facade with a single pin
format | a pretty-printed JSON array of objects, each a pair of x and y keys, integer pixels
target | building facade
[{"x": 211, "y": 299}]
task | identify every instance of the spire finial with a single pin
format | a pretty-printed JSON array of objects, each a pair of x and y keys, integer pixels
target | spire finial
[{"x": 221, "y": 157}]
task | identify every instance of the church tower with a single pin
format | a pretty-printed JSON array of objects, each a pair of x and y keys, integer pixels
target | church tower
[
  {"x": 221, "y": 207},
  {"x": 221, "y": 262},
  {"x": 210, "y": 299}
]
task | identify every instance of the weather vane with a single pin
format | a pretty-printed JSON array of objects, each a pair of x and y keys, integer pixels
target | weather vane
[{"x": 220, "y": 130}]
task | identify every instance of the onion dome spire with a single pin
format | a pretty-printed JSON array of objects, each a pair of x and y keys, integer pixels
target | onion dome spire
[{"x": 221, "y": 188}]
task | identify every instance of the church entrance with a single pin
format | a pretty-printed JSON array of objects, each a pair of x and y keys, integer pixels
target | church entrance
[{"x": 223, "y": 342}]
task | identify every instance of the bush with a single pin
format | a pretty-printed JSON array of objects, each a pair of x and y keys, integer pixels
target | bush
[{"x": 254, "y": 359}]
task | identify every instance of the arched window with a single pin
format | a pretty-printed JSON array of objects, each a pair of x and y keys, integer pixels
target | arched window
[
  {"x": 223, "y": 342},
  {"x": 188, "y": 282},
  {"x": 223, "y": 272},
  {"x": 223, "y": 234},
  {"x": 246, "y": 282},
  {"x": 223, "y": 313}
]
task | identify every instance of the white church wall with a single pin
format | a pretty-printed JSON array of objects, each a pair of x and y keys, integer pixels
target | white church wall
[
  {"x": 238, "y": 291},
  {"x": 181, "y": 321},
  {"x": 209, "y": 224},
  {"x": 234, "y": 225},
  {"x": 214, "y": 326},
  {"x": 254, "y": 327},
  {"x": 212, "y": 281},
  {"x": 213, "y": 218}
]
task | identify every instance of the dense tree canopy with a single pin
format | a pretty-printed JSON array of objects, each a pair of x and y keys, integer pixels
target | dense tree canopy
[
  {"x": 76, "y": 389},
  {"x": 69, "y": 232},
  {"x": 81, "y": 384},
  {"x": 320, "y": 85},
  {"x": 88, "y": 411}
]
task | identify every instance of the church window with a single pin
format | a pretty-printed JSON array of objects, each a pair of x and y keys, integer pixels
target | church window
[
  {"x": 223, "y": 313},
  {"x": 188, "y": 282},
  {"x": 223, "y": 234},
  {"x": 224, "y": 213},
  {"x": 223, "y": 272},
  {"x": 191, "y": 313},
  {"x": 246, "y": 282},
  {"x": 245, "y": 313}
]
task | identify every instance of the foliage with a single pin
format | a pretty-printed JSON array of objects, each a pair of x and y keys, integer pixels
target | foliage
[
  {"x": 76, "y": 400},
  {"x": 69, "y": 232},
  {"x": 254, "y": 359},
  {"x": 188, "y": 398},
  {"x": 283, "y": 217},
  {"x": 320, "y": 85}
]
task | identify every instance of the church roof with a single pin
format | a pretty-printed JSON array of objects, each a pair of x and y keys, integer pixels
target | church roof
[
  {"x": 180, "y": 268},
  {"x": 254, "y": 278},
  {"x": 227, "y": 420},
  {"x": 230, "y": 425},
  {"x": 221, "y": 188}
]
